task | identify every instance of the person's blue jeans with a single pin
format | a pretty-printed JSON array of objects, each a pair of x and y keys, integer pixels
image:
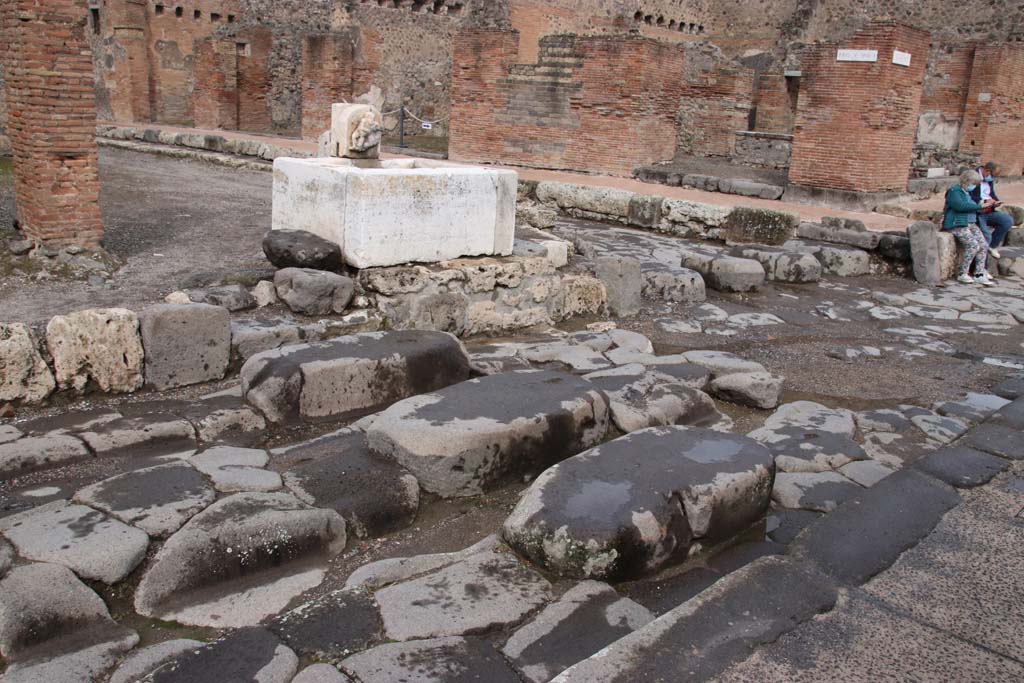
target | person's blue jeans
[{"x": 995, "y": 226}]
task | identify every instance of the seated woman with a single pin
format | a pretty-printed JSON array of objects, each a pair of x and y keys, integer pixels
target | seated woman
[{"x": 960, "y": 217}]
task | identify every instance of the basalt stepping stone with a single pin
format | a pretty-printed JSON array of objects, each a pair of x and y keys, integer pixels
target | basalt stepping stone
[
  {"x": 234, "y": 469},
  {"x": 816, "y": 491},
  {"x": 157, "y": 499},
  {"x": 240, "y": 560},
  {"x": 374, "y": 494},
  {"x": 651, "y": 401},
  {"x": 588, "y": 617},
  {"x": 487, "y": 591},
  {"x": 635, "y": 504},
  {"x": 148, "y": 659},
  {"x": 473, "y": 436},
  {"x": 40, "y": 452},
  {"x": 438, "y": 660},
  {"x": 330, "y": 379},
  {"x": 84, "y": 540},
  {"x": 248, "y": 654},
  {"x": 148, "y": 434},
  {"x": 808, "y": 437},
  {"x": 331, "y": 626}
]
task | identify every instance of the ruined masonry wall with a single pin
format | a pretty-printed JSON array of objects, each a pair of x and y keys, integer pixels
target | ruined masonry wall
[
  {"x": 49, "y": 78},
  {"x": 5, "y": 141},
  {"x": 993, "y": 124}
]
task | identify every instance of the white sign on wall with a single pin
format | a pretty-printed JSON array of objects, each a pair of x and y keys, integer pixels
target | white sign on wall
[
  {"x": 857, "y": 56},
  {"x": 900, "y": 58},
  {"x": 426, "y": 125}
]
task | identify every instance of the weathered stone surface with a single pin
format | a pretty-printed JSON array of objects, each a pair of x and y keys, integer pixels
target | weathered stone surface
[
  {"x": 331, "y": 626},
  {"x": 151, "y": 434},
  {"x": 639, "y": 398},
  {"x": 338, "y": 471},
  {"x": 782, "y": 265},
  {"x": 383, "y": 572},
  {"x": 818, "y": 491},
  {"x": 40, "y": 452},
  {"x": 843, "y": 261},
  {"x": 272, "y": 540},
  {"x": 924, "y": 252},
  {"x": 9, "y": 433},
  {"x": 232, "y": 297},
  {"x": 725, "y": 273},
  {"x": 808, "y": 437},
  {"x": 721, "y": 363},
  {"x": 6, "y": 556},
  {"x": 329, "y": 379},
  {"x": 941, "y": 428},
  {"x": 234, "y": 469},
  {"x": 139, "y": 663},
  {"x": 607, "y": 514},
  {"x": 438, "y": 660},
  {"x": 264, "y": 293},
  {"x": 24, "y": 376},
  {"x": 225, "y": 419},
  {"x": 156, "y": 499},
  {"x": 469, "y": 437},
  {"x": 849, "y": 544},
  {"x": 84, "y": 665},
  {"x": 578, "y": 357},
  {"x": 839, "y": 235},
  {"x": 721, "y": 625},
  {"x": 185, "y": 343},
  {"x": 961, "y": 466},
  {"x": 84, "y": 540},
  {"x": 662, "y": 282},
  {"x": 761, "y": 226},
  {"x": 313, "y": 292},
  {"x": 97, "y": 347},
  {"x": 248, "y": 654},
  {"x": 588, "y": 617},
  {"x": 301, "y": 249},
  {"x": 997, "y": 439},
  {"x": 622, "y": 281},
  {"x": 866, "y": 472},
  {"x": 484, "y": 592},
  {"x": 754, "y": 389}
]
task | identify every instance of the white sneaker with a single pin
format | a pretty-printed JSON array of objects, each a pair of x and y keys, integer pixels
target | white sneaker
[
  {"x": 966, "y": 279},
  {"x": 995, "y": 253},
  {"x": 986, "y": 280}
]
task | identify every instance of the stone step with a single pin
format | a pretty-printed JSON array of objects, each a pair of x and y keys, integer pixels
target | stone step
[
  {"x": 609, "y": 514},
  {"x": 467, "y": 438},
  {"x": 332, "y": 379}
]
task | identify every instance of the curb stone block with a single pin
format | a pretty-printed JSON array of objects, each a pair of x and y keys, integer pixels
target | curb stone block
[{"x": 185, "y": 344}]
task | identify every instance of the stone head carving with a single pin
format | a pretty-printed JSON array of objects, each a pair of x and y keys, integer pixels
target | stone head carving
[
  {"x": 356, "y": 131},
  {"x": 366, "y": 133}
]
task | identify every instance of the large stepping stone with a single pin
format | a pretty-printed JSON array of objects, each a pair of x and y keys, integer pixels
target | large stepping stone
[
  {"x": 473, "y": 436},
  {"x": 394, "y": 569},
  {"x": 240, "y": 560},
  {"x": 815, "y": 491},
  {"x": 722, "y": 363},
  {"x": 157, "y": 499},
  {"x": 144, "y": 661},
  {"x": 40, "y": 452},
  {"x": 147, "y": 434},
  {"x": 375, "y": 495},
  {"x": 808, "y": 437},
  {"x": 652, "y": 399},
  {"x": 333, "y": 378},
  {"x": 234, "y": 469},
  {"x": 484, "y": 592},
  {"x": 588, "y": 617},
  {"x": 635, "y": 504},
  {"x": 438, "y": 660},
  {"x": 330, "y": 626},
  {"x": 248, "y": 654},
  {"x": 84, "y": 540}
]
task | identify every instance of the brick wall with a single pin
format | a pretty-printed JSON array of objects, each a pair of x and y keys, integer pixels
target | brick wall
[
  {"x": 48, "y": 73},
  {"x": 993, "y": 127},
  {"x": 5, "y": 141},
  {"x": 775, "y": 103},
  {"x": 252, "y": 49},
  {"x": 327, "y": 62},
  {"x": 215, "y": 97},
  {"x": 856, "y": 121},
  {"x": 716, "y": 100},
  {"x": 591, "y": 103}
]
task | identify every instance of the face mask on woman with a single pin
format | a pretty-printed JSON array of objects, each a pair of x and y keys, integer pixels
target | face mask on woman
[
  {"x": 971, "y": 188},
  {"x": 988, "y": 179}
]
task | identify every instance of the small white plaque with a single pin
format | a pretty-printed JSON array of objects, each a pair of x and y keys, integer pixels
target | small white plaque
[
  {"x": 426, "y": 125},
  {"x": 901, "y": 58},
  {"x": 984, "y": 97},
  {"x": 857, "y": 56}
]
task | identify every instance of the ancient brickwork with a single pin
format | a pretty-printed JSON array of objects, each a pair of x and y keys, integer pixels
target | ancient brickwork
[
  {"x": 993, "y": 126},
  {"x": 774, "y": 104},
  {"x": 716, "y": 101},
  {"x": 215, "y": 97},
  {"x": 856, "y": 121},
  {"x": 5, "y": 141},
  {"x": 48, "y": 72},
  {"x": 595, "y": 103},
  {"x": 252, "y": 50},
  {"x": 326, "y": 78}
]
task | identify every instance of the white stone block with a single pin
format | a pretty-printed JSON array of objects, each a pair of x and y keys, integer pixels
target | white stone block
[{"x": 384, "y": 213}]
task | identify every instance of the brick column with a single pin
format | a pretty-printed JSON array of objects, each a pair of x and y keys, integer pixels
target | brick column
[
  {"x": 327, "y": 63},
  {"x": 52, "y": 103},
  {"x": 993, "y": 128},
  {"x": 856, "y": 120},
  {"x": 215, "y": 97}
]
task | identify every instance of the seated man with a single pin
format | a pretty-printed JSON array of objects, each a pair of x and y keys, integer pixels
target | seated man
[{"x": 994, "y": 224}]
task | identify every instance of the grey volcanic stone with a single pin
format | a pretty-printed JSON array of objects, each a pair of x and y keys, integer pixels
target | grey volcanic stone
[
  {"x": 382, "y": 572},
  {"x": 754, "y": 389},
  {"x": 438, "y": 660},
  {"x": 157, "y": 499},
  {"x": 6, "y": 556},
  {"x": 86, "y": 541},
  {"x": 1010, "y": 388},
  {"x": 331, "y": 626},
  {"x": 721, "y": 625},
  {"x": 722, "y": 363},
  {"x": 45, "y": 610},
  {"x": 234, "y": 469},
  {"x": 142, "y": 662},
  {"x": 313, "y": 292},
  {"x": 333, "y": 378},
  {"x": 809, "y": 437},
  {"x": 866, "y": 472},
  {"x": 232, "y": 297},
  {"x": 185, "y": 343},
  {"x": 760, "y": 226},
  {"x": 924, "y": 252},
  {"x": 662, "y": 282},
  {"x": 149, "y": 434},
  {"x": 301, "y": 249},
  {"x": 997, "y": 439},
  {"x": 225, "y": 419},
  {"x": 484, "y": 592},
  {"x": 611, "y": 513},
  {"x": 653, "y": 400},
  {"x": 272, "y": 541},
  {"x": 623, "y": 281},
  {"x": 588, "y": 617},
  {"x": 815, "y": 491},
  {"x": 861, "y": 239},
  {"x": 783, "y": 265},
  {"x": 338, "y": 471},
  {"x": 40, "y": 452},
  {"x": 869, "y": 533},
  {"x": 472, "y": 436},
  {"x": 726, "y": 273},
  {"x": 1011, "y": 415},
  {"x": 248, "y": 654},
  {"x": 321, "y": 673},
  {"x": 961, "y": 466}
]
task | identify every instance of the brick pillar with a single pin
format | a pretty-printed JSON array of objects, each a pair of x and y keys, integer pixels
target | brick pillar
[
  {"x": 327, "y": 62},
  {"x": 856, "y": 120},
  {"x": 52, "y": 102},
  {"x": 993, "y": 128},
  {"x": 215, "y": 97}
]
